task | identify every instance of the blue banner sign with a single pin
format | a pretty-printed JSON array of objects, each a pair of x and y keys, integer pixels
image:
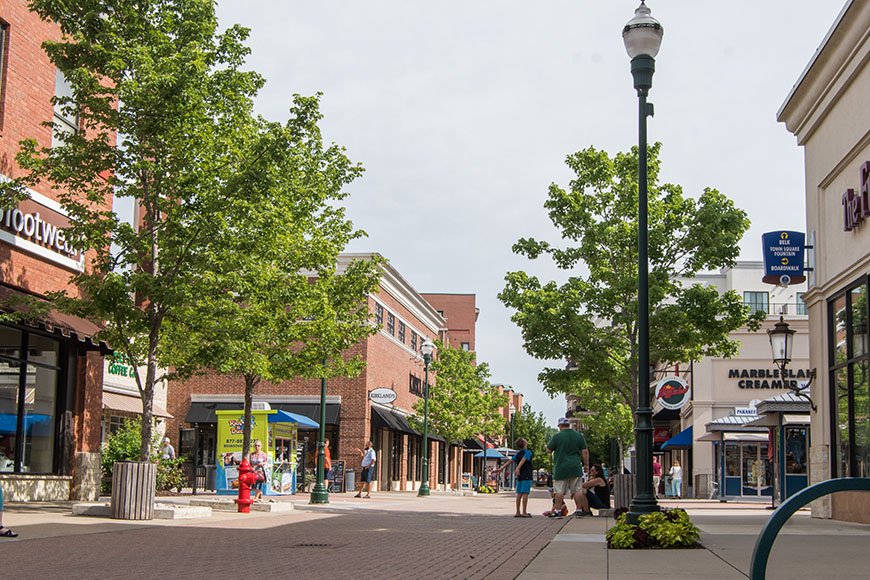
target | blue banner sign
[{"x": 783, "y": 257}]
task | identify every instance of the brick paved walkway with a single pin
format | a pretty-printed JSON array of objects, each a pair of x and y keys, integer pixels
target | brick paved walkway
[{"x": 357, "y": 544}]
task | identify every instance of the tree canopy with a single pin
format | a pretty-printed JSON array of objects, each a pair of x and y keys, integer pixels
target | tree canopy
[
  {"x": 591, "y": 319},
  {"x": 274, "y": 304},
  {"x": 535, "y": 429}
]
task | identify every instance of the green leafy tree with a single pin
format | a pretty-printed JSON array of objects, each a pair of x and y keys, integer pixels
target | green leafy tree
[
  {"x": 274, "y": 305},
  {"x": 462, "y": 402},
  {"x": 535, "y": 429},
  {"x": 161, "y": 100},
  {"x": 591, "y": 319}
]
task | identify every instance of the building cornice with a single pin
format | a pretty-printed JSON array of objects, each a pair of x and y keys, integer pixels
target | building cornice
[{"x": 836, "y": 63}]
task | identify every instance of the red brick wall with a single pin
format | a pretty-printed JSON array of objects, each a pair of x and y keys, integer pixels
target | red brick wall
[
  {"x": 460, "y": 312},
  {"x": 388, "y": 364}
]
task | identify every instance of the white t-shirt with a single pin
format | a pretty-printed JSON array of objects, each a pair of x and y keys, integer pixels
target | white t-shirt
[
  {"x": 369, "y": 457},
  {"x": 676, "y": 472}
]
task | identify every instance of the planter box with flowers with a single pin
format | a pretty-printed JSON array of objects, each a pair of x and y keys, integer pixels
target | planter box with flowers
[{"x": 670, "y": 528}]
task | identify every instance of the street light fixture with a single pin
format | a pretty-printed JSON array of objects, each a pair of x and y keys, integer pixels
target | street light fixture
[
  {"x": 643, "y": 38},
  {"x": 781, "y": 341},
  {"x": 426, "y": 349}
]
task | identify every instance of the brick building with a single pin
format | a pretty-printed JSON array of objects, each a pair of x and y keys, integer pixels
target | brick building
[
  {"x": 406, "y": 320},
  {"x": 51, "y": 371}
]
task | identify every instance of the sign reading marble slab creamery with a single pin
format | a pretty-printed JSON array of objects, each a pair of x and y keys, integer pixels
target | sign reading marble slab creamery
[{"x": 767, "y": 378}]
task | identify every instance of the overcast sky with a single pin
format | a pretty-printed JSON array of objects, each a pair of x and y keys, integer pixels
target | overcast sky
[{"x": 463, "y": 112}]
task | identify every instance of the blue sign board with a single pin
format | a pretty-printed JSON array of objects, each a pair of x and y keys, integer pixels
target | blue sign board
[{"x": 783, "y": 257}]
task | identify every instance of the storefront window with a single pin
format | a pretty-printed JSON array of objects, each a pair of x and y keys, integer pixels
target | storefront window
[
  {"x": 841, "y": 427},
  {"x": 796, "y": 450},
  {"x": 858, "y": 300},
  {"x": 9, "y": 377},
  {"x": 39, "y": 408},
  {"x": 850, "y": 395},
  {"x": 732, "y": 460},
  {"x": 862, "y": 418}
]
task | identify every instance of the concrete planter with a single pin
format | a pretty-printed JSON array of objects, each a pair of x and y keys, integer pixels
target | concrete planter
[{"x": 133, "y": 487}]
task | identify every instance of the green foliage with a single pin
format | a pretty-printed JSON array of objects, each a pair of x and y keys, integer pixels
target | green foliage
[
  {"x": 122, "y": 445},
  {"x": 533, "y": 427},
  {"x": 609, "y": 419},
  {"x": 163, "y": 103},
  {"x": 592, "y": 317},
  {"x": 462, "y": 403},
  {"x": 170, "y": 474},
  {"x": 666, "y": 529}
]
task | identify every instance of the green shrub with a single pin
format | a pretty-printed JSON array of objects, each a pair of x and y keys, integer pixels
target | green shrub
[
  {"x": 123, "y": 445},
  {"x": 170, "y": 475},
  {"x": 665, "y": 529}
]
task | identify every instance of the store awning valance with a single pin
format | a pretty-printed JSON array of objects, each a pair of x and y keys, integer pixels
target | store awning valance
[
  {"x": 201, "y": 412},
  {"x": 397, "y": 422},
  {"x": 130, "y": 404},
  {"x": 54, "y": 321},
  {"x": 491, "y": 454},
  {"x": 682, "y": 440}
]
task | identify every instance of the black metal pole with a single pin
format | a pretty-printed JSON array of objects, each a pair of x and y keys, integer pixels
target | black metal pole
[
  {"x": 320, "y": 493},
  {"x": 644, "y": 501},
  {"x": 424, "y": 485}
]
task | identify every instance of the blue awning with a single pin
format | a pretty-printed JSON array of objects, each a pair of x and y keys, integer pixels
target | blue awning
[
  {"x": 288, "y": 417},
  {"x": 682, "y": 440},
  {"x": 491, "y": 454}
]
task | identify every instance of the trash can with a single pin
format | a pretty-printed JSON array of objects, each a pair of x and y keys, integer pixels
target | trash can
[
  {"x": 350, "y": 480},
  {"x": 133, "y": 486}
]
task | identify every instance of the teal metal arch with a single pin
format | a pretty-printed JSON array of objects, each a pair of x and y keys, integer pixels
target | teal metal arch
[{"x": 764, "y": 543}]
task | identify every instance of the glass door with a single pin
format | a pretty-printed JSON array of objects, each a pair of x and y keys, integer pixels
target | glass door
[{"x": 757, "y": 470}]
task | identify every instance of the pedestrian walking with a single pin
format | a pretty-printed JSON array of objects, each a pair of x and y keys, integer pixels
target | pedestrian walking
[
  {"x": 569, "y": 448},
  {"x": 327, "y": 461},
  {"x": 676, "y": 473},
  {"x": 657, "y": 475},
  {"x": 4, "y": 531},
  {"x": 369, "y": 459},
  {"x": 167, "y": 451},
  {"x": 522, "y": 460}
]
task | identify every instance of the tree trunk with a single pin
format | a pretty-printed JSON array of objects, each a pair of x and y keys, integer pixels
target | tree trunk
[
  {"x": 148, "y": 388},
  {"x": 251, "y": 382}
]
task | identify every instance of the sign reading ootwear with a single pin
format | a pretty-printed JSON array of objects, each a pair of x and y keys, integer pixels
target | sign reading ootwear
[{"x": 783, "y": 257}]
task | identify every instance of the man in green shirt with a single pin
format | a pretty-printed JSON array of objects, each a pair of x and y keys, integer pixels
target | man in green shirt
[{"x": 569, "y": 448}]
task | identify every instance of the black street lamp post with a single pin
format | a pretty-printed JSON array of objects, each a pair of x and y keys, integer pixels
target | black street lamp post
[
  {"x": 643, "y": 37},
  {"x": 320, "y": 494},
  {"x": 426, "y": 349}
]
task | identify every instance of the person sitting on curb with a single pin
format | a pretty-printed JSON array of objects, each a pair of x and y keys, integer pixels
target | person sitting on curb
[
  {"x": 4, "y": 531},
  {"x": 596, "y": 492}
]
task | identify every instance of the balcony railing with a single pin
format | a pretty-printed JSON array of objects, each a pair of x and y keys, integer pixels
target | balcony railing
[{"x": 778, "y": 308}]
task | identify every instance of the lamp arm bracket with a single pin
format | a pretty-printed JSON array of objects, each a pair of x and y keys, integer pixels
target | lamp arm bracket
[
  {"x": 800, "y": 390},
  {"x": 650, "y": 110}
]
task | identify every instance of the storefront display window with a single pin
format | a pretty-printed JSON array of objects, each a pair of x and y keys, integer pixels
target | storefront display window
[
  {"x": 28, "y": 401},
  {"x": 732, "y": 460},
  {"x": 850, "y": 387},
  {"x": 796, "y": 450}
]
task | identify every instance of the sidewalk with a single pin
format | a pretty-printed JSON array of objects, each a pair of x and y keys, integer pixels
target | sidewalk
[{"x": 806, "y": 548}]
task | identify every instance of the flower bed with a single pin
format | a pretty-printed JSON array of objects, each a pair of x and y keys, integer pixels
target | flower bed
[{"x": 670, "y": 528}]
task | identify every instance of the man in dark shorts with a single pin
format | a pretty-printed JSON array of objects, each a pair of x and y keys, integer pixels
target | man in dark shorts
[{"x": 369, "y": 458}]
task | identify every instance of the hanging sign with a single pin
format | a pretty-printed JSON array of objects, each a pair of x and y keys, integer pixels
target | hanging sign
[
  {"x": 783, "y": 257},
  {"x": 383, "y": 395},
  {"x": 673, "y": 392}
]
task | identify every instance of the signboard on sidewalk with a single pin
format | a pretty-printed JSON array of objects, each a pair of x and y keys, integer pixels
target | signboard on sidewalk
[
  {"x": 337, "y": 483},
  {"x": 783, "y": 257}
]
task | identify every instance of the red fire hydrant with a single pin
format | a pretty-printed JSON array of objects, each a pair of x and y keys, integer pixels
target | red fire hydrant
[{"x": 247, "y": 479}]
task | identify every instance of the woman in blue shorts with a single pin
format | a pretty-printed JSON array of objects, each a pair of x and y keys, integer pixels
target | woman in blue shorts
[{"x": 523, "y": 472}]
